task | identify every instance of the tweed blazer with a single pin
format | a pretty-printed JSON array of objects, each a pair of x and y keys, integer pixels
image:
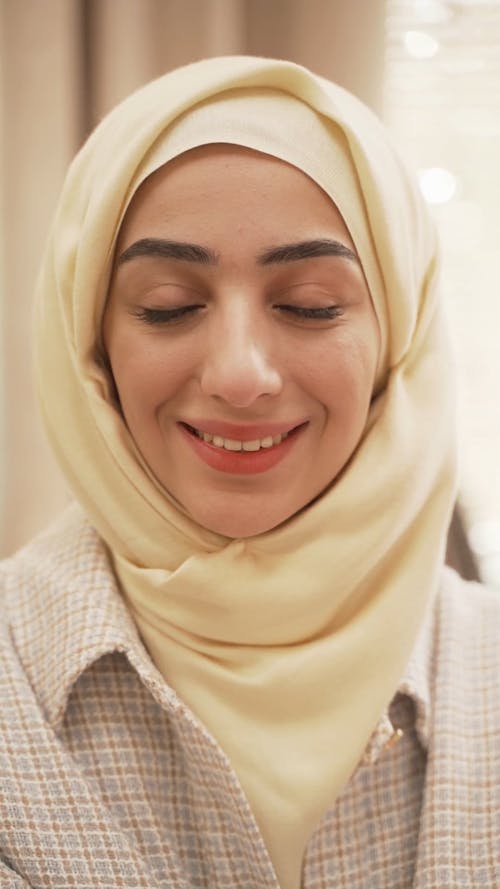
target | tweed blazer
[{"x": 108, "y": 780}]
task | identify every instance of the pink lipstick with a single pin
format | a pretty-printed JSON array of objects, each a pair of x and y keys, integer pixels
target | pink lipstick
[{"x": 241, "y": 449}]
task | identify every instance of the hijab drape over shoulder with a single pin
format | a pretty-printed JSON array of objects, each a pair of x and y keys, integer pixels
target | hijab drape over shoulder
[{"x": 288, "y": 646}]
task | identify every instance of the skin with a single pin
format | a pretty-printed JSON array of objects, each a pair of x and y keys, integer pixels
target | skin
[{"x": 242, "y": 349}]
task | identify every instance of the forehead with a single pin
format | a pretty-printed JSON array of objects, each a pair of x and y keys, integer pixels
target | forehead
[{"x": 208, "y": 189}]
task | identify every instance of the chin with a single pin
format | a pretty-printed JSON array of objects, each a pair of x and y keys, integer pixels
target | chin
[
  {"x": 239, "y": 527},
  {"x": 237, "y": 531}
]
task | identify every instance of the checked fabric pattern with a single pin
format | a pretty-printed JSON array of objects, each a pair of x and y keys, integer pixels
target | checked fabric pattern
[{"x": 108, "y": 781}]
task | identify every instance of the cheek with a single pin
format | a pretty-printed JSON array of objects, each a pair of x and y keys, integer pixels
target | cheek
[
  {"x": 148, "y": 372},
  {"x": 132, "y": 362},
  {"x": 342, "y": 374}
]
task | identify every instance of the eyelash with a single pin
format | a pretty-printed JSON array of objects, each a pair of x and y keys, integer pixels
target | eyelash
[
  {"x": 165, "y": 316},
  {"x": 324, "y": 313},
  {"x": 168, "y": 316}
]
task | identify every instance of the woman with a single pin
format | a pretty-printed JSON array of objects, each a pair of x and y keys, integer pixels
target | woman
[{"x": 240, "y": 661}]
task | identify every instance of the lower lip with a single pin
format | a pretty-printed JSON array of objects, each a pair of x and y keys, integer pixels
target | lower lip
[{"x": 241, "y": 462}]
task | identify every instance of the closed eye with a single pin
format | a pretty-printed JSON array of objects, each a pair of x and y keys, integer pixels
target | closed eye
[
  {"x": 166, "y": 316},
  {"x": 319, "y": 313},
  {"x": 178, "y": 313}
]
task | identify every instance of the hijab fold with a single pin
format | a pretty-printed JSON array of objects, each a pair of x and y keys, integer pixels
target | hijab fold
[{"x": 287, "y": 646}]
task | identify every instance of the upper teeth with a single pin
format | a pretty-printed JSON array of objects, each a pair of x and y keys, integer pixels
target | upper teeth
[{"x": 232, "y": 444}]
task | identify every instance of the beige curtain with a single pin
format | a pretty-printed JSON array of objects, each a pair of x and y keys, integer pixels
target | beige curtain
[
  {"x": 130, "y": 42},
  {"x": 39, "y": 132},
  {"x": 64, "y": 63}
]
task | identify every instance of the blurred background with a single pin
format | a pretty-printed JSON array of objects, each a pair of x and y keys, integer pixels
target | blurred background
[{"x": 432, "y": 71}]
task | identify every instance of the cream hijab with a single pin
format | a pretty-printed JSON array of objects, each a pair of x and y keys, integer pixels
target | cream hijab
[{"x": 287, "y": 646}]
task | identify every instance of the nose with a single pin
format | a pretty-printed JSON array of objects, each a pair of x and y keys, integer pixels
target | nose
[{"x": 239, "y": 366}]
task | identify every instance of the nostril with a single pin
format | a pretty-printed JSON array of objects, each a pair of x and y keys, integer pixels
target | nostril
[{"x": 240, "y": 381}]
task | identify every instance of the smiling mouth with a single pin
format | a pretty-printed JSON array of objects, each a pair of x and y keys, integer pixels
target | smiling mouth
[{"x": 235, "y": 445}]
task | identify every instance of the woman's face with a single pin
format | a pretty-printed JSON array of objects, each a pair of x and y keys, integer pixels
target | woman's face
[{"x": 241, "y": 336}]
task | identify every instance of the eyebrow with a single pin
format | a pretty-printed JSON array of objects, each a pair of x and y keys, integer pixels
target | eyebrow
[
  {"x": 307, "y": 250},
  {"x": 169, "y": 250},
  {"x": 186, "y": 252}
]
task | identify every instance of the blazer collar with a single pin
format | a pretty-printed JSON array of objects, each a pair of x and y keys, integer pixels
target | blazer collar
[{"x": 66, "y": 611}]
